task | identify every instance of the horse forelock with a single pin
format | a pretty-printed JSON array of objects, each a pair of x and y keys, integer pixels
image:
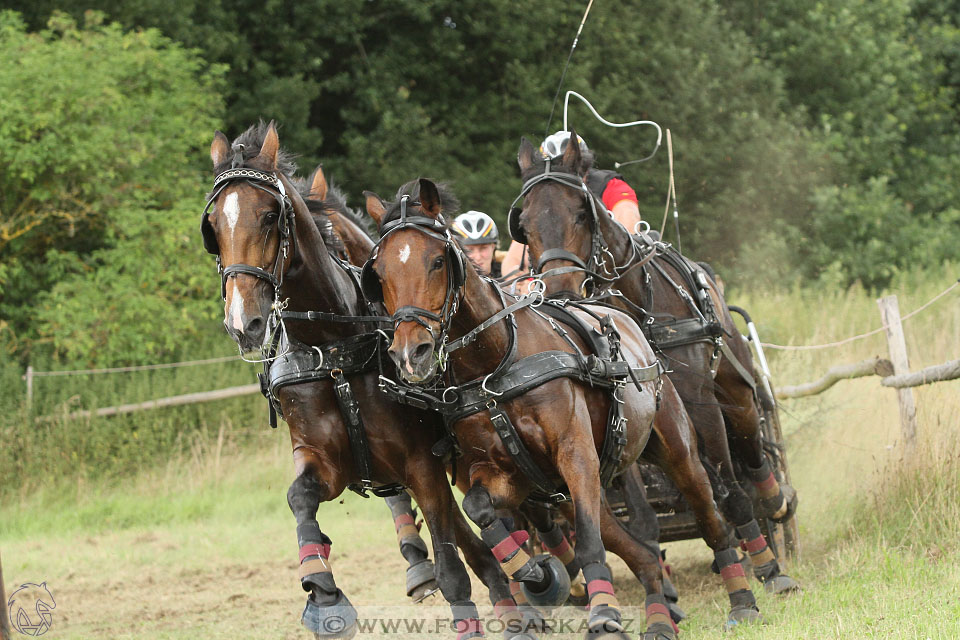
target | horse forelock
[
  {"x": 449, "y": 202},
  {"x": 539, "y": 165},
  {"x": 252, "y": 140}
]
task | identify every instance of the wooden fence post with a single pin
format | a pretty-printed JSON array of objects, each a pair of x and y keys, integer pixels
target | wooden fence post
[
  {"x": 29, "y": 379},
  {"x": 4, "y": 613},
  {"x": 890, "y": 315}
]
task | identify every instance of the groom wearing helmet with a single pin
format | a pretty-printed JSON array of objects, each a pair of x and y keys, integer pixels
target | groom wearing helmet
[
  {"x": 609, "y": 186},
  {"x": 477, "y": 234}
]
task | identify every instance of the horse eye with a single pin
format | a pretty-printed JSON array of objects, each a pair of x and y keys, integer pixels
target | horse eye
[
  {"x": 438, "y": 262},
  {"x": 271, "y": 217},
  {"x": 582, "y": 216}
]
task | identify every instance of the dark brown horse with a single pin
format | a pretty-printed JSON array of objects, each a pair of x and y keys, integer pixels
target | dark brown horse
[
  {"x": 270, "y": 249},
  {"x": 438, "y": 300},
  {"x": 582, "y": 245}
]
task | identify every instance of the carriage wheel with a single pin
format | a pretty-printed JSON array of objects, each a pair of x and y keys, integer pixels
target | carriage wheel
[{"x": 784, "y": 538}]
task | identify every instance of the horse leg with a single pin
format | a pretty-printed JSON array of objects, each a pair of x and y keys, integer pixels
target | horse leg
[
  {"x": 732, "y": 500},
  {"x": 578, "y": 464},
  {"x": 776, "y": 501},
  {"x": 328, "y": 612},
  {"x": 509, "y": 604},
  {"x": 436, "y": 502},
  {"x": 421, "y": 582},
  {"x": 675, "y": 449},
  {"x": 643, "y": 526},
  {"x": 556, "y": 543},
  {"x": 508, "y": 550},
  {"x": 643, "y": 559}
]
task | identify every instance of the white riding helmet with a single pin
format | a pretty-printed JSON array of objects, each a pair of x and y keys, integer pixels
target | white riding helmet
[
  {"x": 475, "y": 227},
  {"x": 554, "y": 145}
]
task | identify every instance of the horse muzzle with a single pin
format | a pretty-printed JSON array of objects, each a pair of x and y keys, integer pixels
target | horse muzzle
[{"x": 415, "y": 360}]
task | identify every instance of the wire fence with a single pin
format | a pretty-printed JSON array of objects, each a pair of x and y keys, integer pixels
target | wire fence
[
  {"x": 940, "y": 372},
  {"x": 142, "y": 367},
  {"x": 881, "y": 329}
]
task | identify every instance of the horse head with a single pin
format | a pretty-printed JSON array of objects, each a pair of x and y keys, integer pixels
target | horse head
[
  {"x": 417, "y": 271},
  {"x": 556, "y": 221}
]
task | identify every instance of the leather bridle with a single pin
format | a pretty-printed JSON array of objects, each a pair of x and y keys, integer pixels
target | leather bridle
[
  {"x": 596, "y": 266},
  {"x": 268, "y": 182}
]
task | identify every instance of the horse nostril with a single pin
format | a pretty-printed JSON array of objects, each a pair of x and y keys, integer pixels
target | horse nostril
[
  {"x": 422, "y": 351},
  {"x": 254, "y": 327}
]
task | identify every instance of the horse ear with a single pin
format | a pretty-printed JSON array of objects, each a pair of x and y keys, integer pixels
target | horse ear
[
  {"x": 318, "y": 184},
  {"x": 571, "y": 155},
  {"x": 430, "y": 198},
  {"x": 526, "y": 156},
  {"x": 271, "y": 146},
  {"x": 219, "y": 149},
  {"x": 375, "y": 206}
]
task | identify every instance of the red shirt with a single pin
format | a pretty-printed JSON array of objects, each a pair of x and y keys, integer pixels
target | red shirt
[{"x": 616, "y": 191}]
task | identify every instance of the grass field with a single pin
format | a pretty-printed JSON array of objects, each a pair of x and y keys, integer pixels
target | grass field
[{"x": 200, "y": 543}]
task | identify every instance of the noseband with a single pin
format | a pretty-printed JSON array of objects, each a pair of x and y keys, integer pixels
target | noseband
[{"x": 285, "y": 223}]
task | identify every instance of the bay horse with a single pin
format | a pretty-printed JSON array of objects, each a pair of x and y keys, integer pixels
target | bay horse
[
  {"x": 563, "y": 223},
  {"x": 452, "y": 325},
  {"x": 274, "y": 260},
  {"x": 326, "y": 201}
]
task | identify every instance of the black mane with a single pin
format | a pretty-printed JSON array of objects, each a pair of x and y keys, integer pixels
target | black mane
[
  {"x": 252, "y": 140},
  {"x": 335, "y": 202},
  {"x": 450, "y": 204}
]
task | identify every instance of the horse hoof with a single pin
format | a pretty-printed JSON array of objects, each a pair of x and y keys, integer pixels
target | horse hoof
[
  {"x": 742, "y": 616},
  {"x": 558, "y": 588},
  {"x": 676, "y": 613},
  {"x": 659, "y": 631},
  {"x": 578, "y": 593},
  {"x": 533, "y": 620},
  {"x": 336, "y": 621},
  {"x": 669, "y": 591},
  {"x": 426, "y": 594},
  {"x": 781, "y": 585},
  {"x": 605, "y": 628},
  {"x": 421, "y": 581}
]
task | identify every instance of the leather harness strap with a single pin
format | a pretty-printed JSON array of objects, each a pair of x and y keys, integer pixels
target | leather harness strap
[{"x": 487, "y": 394}]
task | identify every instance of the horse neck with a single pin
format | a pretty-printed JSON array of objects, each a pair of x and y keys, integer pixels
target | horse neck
[
  {"x": 318, "y": 283},
  {"x": 480, "y": 301},
  {"x": 358, "y": 244}
]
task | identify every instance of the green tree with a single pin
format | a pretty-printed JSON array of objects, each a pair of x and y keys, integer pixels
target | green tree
[
  {"x": 877, "y": 82},
  {"x": 100, "y": 127}
]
